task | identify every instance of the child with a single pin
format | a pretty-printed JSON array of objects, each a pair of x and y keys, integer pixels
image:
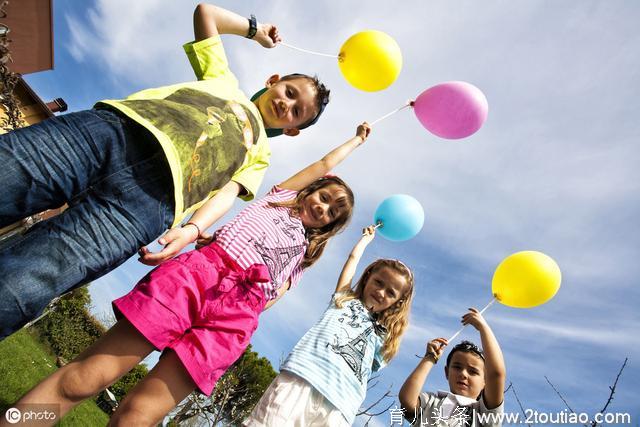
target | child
[
  {"x": 129, "y": 169},
  {"x": 202, "y": 307},
  {"x": 476, "y": 382},
  {"x": 323, "y": 382}
]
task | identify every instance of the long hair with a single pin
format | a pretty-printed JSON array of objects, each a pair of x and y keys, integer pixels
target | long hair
[
  {"x": 318, "y": 237},
  {"x": 395, "y": 319}
]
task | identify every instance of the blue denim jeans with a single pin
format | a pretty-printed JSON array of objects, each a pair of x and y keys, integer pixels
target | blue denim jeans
[{"x": 117, "y": 182}]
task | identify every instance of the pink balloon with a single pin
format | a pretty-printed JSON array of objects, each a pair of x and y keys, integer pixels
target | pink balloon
[{"x": 452, "y": 110}]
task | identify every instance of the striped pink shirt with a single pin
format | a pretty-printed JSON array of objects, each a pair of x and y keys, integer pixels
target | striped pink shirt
[{"x": 262, "y": 234}]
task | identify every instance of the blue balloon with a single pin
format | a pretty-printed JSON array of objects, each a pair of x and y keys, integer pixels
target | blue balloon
[{"x": 402, "y": 217}]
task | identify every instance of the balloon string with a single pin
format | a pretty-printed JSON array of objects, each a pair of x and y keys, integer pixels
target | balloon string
[
  {"x": 408, "y": 104},
  {"x": 481, "y": 311},
  {"x": 307, "y": 51}
]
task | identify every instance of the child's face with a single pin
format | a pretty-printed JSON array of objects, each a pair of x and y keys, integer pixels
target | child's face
[
  {"x": 384, "y": 288},
  {"x": 287, "y": 104},
  {"x": 324, "y": 206},
  {"x": 465, "y": 374}
]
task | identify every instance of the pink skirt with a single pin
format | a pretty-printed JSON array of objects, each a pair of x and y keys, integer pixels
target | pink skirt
[{"x": 203, "y": 306}]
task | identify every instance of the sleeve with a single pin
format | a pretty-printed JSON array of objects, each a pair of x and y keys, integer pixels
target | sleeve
[
  {"x": 427, "y": 403},
  {"x": 280, "y": 194},
  {"x": 208, "y": 59},
  {"x": 378, "y": 359},
  {"x": 251, "y": 173},
  {"x": 490, "y": 422}
]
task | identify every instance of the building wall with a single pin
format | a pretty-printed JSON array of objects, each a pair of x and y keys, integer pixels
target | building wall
[{"x": 31, "y": 25}]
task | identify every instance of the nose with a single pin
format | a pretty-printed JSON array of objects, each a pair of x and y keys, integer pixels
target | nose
[
  {"x": 321, "y": 209},
  {"x": 285, "y": 105}
]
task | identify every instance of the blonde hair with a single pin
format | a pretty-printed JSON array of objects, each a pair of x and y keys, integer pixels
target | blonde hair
[
  {"x": 318, "y": 237},
  {"x": 395, "y": 319}
]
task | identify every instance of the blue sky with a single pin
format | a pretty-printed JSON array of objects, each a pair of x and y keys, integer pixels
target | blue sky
[{"x": 553, "y": 169}]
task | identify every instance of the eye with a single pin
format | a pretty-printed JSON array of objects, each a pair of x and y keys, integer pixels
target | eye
[
  {"x": 289, "y": 93},
  {"x": 296, "y": 112},
  {"x": 323, "y": 197}
]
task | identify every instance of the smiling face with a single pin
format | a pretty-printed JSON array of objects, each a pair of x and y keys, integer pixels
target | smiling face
[
  {"x": 384, "y": 287},
  {"x": 287, "y": 104},
  {"x": 324, "y": 206},
  {"x": 465, "y": 374}
]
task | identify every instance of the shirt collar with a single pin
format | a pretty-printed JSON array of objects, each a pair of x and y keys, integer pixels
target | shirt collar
[{"x": 456, "y": 398}]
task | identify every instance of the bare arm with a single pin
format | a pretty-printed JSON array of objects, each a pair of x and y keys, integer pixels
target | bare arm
[
  {"x": 409, "y": 395},
  {"x": 281, "y": 291},
  {"x": 210, "y": 20},
  {"x": 320, "y": 168},
  {"x": 349, "y": 269},
  {"x": 177, "y": 238},
  {"x": 495, "y": 370}
]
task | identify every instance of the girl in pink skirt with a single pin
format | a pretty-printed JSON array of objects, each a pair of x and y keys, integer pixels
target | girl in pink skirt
[{"x": 202, "y": 307}]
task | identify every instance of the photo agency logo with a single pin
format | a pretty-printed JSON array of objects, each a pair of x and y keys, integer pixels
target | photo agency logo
[{"x": 32, "y": 415}]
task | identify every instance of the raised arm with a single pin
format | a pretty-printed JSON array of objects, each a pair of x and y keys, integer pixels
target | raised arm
[
  {"x": 210, "y": 20},
  {"x": 349, "y": 269},
  {"x": 495, "y": 370},
  {"x": 323, "y": 166},
  {"x": 409, "y": 395}
]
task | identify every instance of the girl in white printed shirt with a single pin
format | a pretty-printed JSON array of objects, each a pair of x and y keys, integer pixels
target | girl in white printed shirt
[{"x": 323, "y": 381}]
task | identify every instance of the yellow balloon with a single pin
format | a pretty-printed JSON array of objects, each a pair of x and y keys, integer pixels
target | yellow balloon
[
  {"x": 370, "y": 60},
  {"x": 526, "y": 279}
]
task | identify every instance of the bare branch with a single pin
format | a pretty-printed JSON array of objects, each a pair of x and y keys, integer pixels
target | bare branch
[
  {"x": 384, "y": 396},
  {"x": 561, "y": 397},
  {"x": 613, "y": 390},
  {"x": 513, "y": 388}
]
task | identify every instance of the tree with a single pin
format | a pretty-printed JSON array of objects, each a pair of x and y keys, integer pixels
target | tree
[
  {"x": 69, "y": 328},
  {"x": 234, "y": 396}
]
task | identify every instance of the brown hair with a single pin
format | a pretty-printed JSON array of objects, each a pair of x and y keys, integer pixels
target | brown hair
[
  {"x": 395, "y": 318},
  {"x": 318, "y": 237}
]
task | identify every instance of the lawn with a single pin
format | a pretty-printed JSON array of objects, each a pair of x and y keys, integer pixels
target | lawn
[{"x": 24, "y": 361}]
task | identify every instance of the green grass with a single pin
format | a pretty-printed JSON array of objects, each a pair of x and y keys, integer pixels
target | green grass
[{"x": 25, "y": 361}]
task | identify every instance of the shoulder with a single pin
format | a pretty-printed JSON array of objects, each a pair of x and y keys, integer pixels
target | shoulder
[{"x": 278, "y": 193}]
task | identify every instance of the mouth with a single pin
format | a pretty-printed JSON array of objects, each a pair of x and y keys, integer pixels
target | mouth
[
  {"x": 276, "y": 111},
  {"x": 463, "y": 385}
]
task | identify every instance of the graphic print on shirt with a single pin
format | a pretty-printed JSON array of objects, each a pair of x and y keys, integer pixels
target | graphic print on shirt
[
  {"x": 210, "y": 136},
  {"x": 353, "y": 350},
  {"x": 278, "y": 258}
]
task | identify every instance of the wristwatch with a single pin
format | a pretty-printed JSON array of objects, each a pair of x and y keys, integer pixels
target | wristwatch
[{"x": 253, "y": 27}]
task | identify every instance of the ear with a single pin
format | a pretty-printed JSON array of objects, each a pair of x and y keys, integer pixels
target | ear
[
  {"x": 272, "y": 80},
  {"x": 291, "y": 132}
]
